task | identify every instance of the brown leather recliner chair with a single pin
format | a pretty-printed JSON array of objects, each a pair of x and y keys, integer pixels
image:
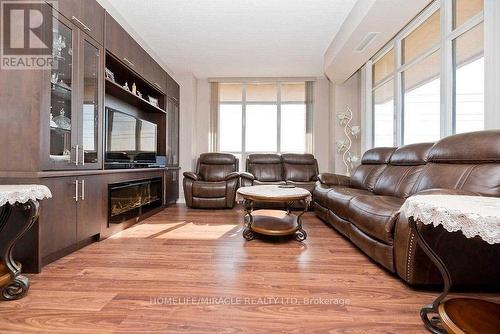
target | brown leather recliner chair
[{"x": 214, "y": 184}]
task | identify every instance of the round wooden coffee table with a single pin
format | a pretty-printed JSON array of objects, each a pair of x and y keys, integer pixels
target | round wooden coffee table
[{"x": 273, "y": 222}]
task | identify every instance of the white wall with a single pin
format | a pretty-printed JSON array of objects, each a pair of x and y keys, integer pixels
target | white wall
[
  {"x": 202, "y": 117},
  {"x": 187, "y": 129},
  {"x": 347, "y": 94},
  {"x": 321, "y": 123}
]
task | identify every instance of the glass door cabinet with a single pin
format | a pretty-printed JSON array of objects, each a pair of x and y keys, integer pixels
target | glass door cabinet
[
  {"x": 173, "y": 132},
  {"x": 74, "y": 107}
]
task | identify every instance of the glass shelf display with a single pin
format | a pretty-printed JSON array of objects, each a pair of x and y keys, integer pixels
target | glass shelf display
[{"x": 61, "y": 93}]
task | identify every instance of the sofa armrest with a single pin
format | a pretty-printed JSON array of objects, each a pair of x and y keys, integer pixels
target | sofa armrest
[
  {"x": 248, "y": 176},
  {"x": 232, "y": 175},
  {"x": 334, "y": 179},
  {"x": 192, "y": 176},
  {"x": 415, "y": 267}
]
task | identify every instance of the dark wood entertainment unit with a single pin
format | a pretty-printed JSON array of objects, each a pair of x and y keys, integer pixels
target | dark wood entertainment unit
[{"x": 53, "y": 130}]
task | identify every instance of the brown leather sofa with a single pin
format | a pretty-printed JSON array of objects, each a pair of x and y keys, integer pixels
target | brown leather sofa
[
  {"x": 300, "y": 170},
  {"x": 365, "y": 207},
  {"x": 215, "y": 182}
]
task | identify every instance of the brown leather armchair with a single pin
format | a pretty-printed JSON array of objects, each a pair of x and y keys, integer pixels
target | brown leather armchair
[{"x": 214, "y": 184}]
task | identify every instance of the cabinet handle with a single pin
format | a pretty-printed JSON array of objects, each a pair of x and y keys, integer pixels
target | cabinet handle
[
  {"x": 83, "y": 190},
  {"x": 76, "y": 191},
  {"x": 77, "y": 148},
  {"x": 128, "y": 62},
  {"x": 83, "y": 157},
  {"x": 83, "y": 25},
  {"x": 157, "y": 85}
]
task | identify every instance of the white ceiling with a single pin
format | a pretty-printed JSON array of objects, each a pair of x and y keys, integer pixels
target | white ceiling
[{"x": 236, "y": 38}]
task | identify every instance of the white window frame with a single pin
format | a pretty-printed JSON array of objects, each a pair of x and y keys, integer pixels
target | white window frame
[
  {"x": 490, "y": 16},
  {"x": 244, "y": 103}
]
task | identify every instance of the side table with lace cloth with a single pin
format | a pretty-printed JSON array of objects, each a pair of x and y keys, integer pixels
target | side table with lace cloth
[
  {"x": 471, "y": 215},
  {"x": 23, "y": 198}
]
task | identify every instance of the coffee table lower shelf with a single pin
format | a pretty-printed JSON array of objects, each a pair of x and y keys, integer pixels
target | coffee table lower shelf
[{"x": 273, "y": 223}]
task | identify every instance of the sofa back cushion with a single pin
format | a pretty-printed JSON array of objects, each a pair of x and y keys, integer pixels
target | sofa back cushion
[
  {"x": 300, "y": 167},
  {"x": 265, "y": 167},
  {"x": 373, "y": 163},
  {"x": 468, "y": 161},
  {"x": 404, "y": 170},
  {"x": 216, "y": 166}
]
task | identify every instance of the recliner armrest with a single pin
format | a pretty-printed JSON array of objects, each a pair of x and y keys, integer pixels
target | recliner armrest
[
  {"x": 247, "y": 175},
  {"x": 192, "y": 176},
  {"x": 232, "y": 175},
  {"x": 334, "y": 179}
]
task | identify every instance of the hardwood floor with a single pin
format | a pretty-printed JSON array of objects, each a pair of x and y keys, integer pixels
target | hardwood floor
[{"x": 191, "y": 271}]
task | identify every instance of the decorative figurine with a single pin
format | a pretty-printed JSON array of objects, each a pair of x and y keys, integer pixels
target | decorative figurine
[
  {"x": 109, "y": 75},
  {"x": 126, "y": 86},
  {"x": 59, "y": 44},
  {"x": 134, "y": 89},
  {"x": 344, "y": 146}
]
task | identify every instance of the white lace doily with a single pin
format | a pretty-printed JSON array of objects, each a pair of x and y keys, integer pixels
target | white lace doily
[
  {"x": 273, "y": 193},
  {"x": 473, "y": 215},
  {"x": 22, "y": 193}
]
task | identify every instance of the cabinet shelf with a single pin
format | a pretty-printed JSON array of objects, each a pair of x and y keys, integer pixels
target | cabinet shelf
[
  {"x": 57, "y": 85},
  {"x": 118, "y": 91},
  {"x": 58, "y": 129}
]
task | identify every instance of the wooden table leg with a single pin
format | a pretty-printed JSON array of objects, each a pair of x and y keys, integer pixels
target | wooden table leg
[
  {"x": 433, "y": 324},
  {"x": 11, "y": 232}
]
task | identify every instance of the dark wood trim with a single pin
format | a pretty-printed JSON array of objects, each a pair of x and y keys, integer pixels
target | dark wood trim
[{"x": 68, "y": 250}]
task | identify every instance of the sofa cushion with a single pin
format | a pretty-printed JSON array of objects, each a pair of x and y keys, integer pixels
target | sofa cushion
[
  {"x": 366, "y": 176},
  {"x": 300, "y": 167},
  {"x": 259, "y": 183},
  {"x": 265, "y": 167},
  {"x": 398, "y": 181},
  {"x": 467, "y": 148},
  {"x": 377, "y": 156},
  {"x": 209, "y": 189},
  {"x": 338, "y": 199},
  {"x": 320, "y": 192},
  {"x": 375, "y": 215},
  {"x": 411, "y": 155},
  {"x": 309, "y": 186}
]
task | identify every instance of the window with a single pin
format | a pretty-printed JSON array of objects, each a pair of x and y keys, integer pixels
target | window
[
  {"x": 468, "y": 70},
  {"x": 411, "y": 100},
  {"x": 267, "y": 117},
  {"x": 421, "y": 110},
  {"x": 384, "y": 115}
]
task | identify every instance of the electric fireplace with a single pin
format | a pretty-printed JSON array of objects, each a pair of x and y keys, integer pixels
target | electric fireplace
[{"x": 130, "y": 200}]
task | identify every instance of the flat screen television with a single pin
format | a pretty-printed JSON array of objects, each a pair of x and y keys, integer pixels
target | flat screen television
[{"x": 129, "y": 139}]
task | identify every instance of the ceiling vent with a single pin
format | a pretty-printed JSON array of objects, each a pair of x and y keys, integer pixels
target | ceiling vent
[{"x": 366, "y": 41}]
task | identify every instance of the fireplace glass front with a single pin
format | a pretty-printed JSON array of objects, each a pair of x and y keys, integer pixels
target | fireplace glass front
[{"x": 130, "y": 200}]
